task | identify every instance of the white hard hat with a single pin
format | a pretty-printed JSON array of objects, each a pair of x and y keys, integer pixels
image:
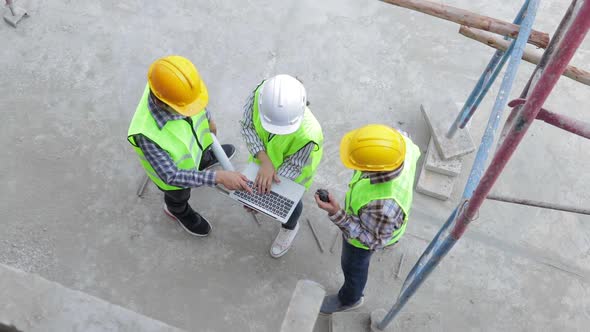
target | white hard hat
[{"x": 281, "y": 104}]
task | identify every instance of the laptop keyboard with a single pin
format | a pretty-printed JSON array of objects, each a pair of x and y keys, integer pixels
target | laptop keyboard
[{"x": 272, "y": 201}]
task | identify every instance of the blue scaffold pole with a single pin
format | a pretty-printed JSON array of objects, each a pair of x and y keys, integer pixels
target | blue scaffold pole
[
  {"x": 501, "y": 102},
  {"x": 485, "y": 81},
  {"x": 443, "y": 241}
]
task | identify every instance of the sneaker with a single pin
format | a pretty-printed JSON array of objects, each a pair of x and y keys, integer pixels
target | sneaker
[
  {"x": 332, "y": 304},
  {"x": 209, "y": 160},
  {"x": 194, "y": 224},
  {"x": 283, "y": 241}
]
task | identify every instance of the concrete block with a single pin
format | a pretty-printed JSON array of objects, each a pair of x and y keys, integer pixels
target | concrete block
[
  {"x": 434, "y": 184},
  {"x": 304, "y": 307},
  {"x": 350, "y": 322},
  {"x": 434, "y": 162},
  {"x": 33, "y": 304},
  {"x": 439, "y": 117}
]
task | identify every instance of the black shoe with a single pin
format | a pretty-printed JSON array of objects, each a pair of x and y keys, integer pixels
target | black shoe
[
  {"x": 193, "y": 223},
  {"x": 209, "y": 160},
  {"x": 332, "y": 304}
]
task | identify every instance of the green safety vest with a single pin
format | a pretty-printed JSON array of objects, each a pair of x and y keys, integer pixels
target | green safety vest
[
  {"x": 280, "y": 147},
  {"x": 361, "y": 192},
  {"x": 184, "y": 143}
]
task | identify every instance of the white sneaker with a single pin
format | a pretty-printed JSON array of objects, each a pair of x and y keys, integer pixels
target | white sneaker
[{"x": 283, "y": 241}]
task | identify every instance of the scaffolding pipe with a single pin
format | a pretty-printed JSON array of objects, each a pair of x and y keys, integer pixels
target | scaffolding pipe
[
  {"x": 444, "y": 240},
  {"x": 501, "y": 101},
  {"x": 555, "y": 67},
  {"x": 543, "y": 205},
  {"x": 557, "y": 36},
  {"x": 421, "y": 270},
  {"x": 564, "y": 122},
  {"x": 487, "y": 78},
  {"x": 485, "y": 81},
  {"x": 11, "y": 7},
  {"x": 465, "y": 17},
  {"x": 550, "y": 50},
  {"x": 531, "y": 56}
]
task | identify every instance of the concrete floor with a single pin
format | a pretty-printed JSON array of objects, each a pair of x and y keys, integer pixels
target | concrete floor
[{"x": 73, "y": 72}]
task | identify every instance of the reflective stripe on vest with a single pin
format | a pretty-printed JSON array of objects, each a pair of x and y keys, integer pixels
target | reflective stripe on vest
[
  {"x": 280, "y": 147},
  {"x": 361, "y": 192},
  {"x": 177, "y": 138}
]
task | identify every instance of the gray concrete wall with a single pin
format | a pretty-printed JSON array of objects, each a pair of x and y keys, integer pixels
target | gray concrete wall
[{"x": 33, "y": 304}]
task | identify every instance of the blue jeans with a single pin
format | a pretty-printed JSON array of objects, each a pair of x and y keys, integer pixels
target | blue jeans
[{"x": 355, "y": 267}]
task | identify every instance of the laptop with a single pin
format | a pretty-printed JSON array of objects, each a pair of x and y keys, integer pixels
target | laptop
[{"x": 279, "y": 204}]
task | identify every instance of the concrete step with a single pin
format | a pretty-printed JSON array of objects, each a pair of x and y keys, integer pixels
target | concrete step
[
  {"x": 304, "y": 307},
  {"x": 435, "y": 184},
  {"x": 435, "y": 163},
  {"x": 439, "y": 116},
  {"x": 33, "y": 304}
]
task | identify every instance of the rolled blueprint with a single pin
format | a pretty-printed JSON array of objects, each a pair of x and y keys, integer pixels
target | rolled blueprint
[{"x": 220, "y": 154}]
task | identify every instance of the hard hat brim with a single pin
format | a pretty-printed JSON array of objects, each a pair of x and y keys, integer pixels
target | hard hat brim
[
  {"x": 280, "y": 130},
  {"x": 345, "y": 151},
  {"x": 196, "y": 106}
]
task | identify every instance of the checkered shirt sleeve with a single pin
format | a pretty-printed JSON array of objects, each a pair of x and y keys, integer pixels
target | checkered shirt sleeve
[
  {"x": 164, "y": 166},
  {"x": 375, "y": 224}
]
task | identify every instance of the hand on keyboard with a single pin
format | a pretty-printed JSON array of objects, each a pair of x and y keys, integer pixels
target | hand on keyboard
[
  {"x": 266, "y": 175},
  {"x": 232, "y": 180},
  {"x": 272, "y": 202}
]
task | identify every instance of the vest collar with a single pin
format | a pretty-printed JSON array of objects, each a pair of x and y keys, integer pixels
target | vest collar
[
  {"x": 381, "y": 177},
  {"x": 161, "y": 115}
]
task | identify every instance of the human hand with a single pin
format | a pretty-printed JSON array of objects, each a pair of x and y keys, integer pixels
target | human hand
[
  {"x": 232, "y": 180},
  {"x": 332, "y": 206},
  {"x": 266, "y": 175}
]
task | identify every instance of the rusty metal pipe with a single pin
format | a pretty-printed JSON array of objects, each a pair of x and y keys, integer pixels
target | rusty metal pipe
[
  {"x": 543, "y": 205},
  {"x": 556, "y": 65},
  {"x": 564, "y": 122}
]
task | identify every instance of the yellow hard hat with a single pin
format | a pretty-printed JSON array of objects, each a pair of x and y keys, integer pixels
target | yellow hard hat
[
  {"x": 373, "y": 148},
  {"x": 176, "y": 81}
]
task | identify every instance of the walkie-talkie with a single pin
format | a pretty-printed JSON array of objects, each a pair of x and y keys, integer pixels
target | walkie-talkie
[{"x": 324, "y": 195}]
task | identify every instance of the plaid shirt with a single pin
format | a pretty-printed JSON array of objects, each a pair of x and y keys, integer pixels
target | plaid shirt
[
  {"x": 292, "y": 166},
  {"x": 376, "y": 221},
  {"x": 161, "y": 161}
]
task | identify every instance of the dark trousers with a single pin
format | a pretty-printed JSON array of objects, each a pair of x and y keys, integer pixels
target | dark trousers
[
  {"x": 355, "y": 267},
  {"x": 177, "y": 203},
  {"x": 292, "y": 222}
]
